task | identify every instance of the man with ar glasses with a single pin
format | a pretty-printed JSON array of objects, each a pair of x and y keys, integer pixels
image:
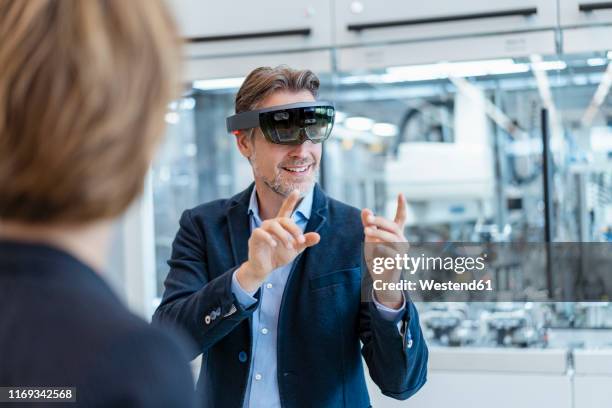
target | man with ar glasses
[{"x": 268, "y": 282}]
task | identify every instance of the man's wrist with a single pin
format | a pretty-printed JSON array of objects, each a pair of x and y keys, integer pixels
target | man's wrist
[
  {"x": 392, "y": 300},
  {"x": 245, "y": 299},
  {"x": 245, "y": 278}
]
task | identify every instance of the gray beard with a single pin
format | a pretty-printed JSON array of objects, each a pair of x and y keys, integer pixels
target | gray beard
[{"x": 283, "y": 188}]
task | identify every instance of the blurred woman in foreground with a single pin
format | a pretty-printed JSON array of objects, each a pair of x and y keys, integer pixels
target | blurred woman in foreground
[{"x": 83, "y": 89}]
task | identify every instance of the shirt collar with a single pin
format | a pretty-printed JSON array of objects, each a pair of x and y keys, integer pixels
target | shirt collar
[{"x": 303, "y": 210}]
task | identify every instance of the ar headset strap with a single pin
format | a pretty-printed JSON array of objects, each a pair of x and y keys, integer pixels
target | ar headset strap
[{"x": 250, "y": 119}]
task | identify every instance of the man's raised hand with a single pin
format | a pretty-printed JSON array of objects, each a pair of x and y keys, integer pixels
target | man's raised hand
[
  {"x": 382, "y": 235},
  {"x": 274, "y": 244}
]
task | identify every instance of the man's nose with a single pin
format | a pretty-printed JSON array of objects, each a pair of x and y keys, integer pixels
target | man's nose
[{"x": 301, "y": 150}]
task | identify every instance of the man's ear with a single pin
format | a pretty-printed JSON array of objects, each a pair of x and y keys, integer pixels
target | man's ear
[{"x": 245, "y": 143}]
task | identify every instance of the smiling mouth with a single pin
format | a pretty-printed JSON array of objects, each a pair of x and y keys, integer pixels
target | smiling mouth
[{"x": 297, "y": 170}]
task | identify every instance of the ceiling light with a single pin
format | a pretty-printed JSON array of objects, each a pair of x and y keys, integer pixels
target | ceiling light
[
  {"x": 172, "y": 118},
  {"x": 549, "y": 65},
  {"x": 595, "y": 62},
  {"x": 358, "y": 123},
  {"x": 454, "y": 69},
  {"x": 384, "y": 129},
  {"x": 580, "y": 80},
  {"x": 187, "y": 103}
]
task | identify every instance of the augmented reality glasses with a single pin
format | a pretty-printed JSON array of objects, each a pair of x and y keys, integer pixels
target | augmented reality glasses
[{"x": 291, "y": 124}]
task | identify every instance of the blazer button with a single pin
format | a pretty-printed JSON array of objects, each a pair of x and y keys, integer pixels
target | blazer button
[
  {"x": 207, "y": 319},
  {"x": 242, "y": 356}
]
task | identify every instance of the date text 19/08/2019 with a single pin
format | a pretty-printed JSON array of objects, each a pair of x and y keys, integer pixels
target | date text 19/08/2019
[{"x": 430, "y": 284}]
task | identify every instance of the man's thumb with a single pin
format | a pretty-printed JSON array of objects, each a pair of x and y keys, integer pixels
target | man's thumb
[{"x": 312, "y": 238}]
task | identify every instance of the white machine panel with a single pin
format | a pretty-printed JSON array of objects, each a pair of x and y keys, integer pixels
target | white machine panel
[
  {"x": 368, "y": 21},
  {"x": 242, "y": 26},
  {"x": 553, "y": 361},
  {"x": 485, "y": 378},
  {"x": 574, "y": 13},
  {"x": 586, "y": 39},
  {"x": 455, "y": 49},
  {"x": 484, "y": 390},
  {"x": 462, "y": 170},
  {"x": 594, "y": 362},
  {"x": 239, "y": 66},
  {"x": 592, "y": 391},
  {"x": 452, "y": 49},
  {"x": 426, "y": 171}
]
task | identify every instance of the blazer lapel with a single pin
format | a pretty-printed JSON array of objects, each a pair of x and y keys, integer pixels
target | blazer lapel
[
  {"x": 318, "y": 214},
  {"x": 239, "y": 226}
]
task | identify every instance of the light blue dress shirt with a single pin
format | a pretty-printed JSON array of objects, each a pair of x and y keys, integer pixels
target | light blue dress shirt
[{"x": 262, "y": 385}]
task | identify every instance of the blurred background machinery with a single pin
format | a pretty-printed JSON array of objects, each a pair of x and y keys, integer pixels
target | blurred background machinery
[{"x": 441, "y": 101}]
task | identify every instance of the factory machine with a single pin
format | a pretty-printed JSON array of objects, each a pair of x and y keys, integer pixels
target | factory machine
[
  {"x": 470, "y": 160},
  {"x": 497, "y": 131},
  {"x": 469, "y": 157}
]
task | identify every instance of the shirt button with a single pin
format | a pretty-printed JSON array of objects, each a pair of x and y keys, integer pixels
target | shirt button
[
  {"x": 264, "y": 331},
  {"x": 258, "y": 377},
  {"x": 242, "y": 356},
  {"x": 269, "y": 285}
]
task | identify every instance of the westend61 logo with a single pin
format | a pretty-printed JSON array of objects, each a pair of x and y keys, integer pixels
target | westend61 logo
[{"x": 413, "y": 264}]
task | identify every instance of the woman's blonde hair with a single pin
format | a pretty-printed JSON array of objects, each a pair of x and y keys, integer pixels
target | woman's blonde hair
[{"x": 84, "y": 86}]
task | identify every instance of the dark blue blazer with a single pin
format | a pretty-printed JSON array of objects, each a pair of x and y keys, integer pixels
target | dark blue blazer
[
  {"x": 61, "y": 325},
  {"x": 322, "y": 318}
]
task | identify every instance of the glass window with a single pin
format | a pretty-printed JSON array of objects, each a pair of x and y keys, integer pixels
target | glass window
[
  {"x": 463, "y": 141},
  {"x": 199, "y": 161}
]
